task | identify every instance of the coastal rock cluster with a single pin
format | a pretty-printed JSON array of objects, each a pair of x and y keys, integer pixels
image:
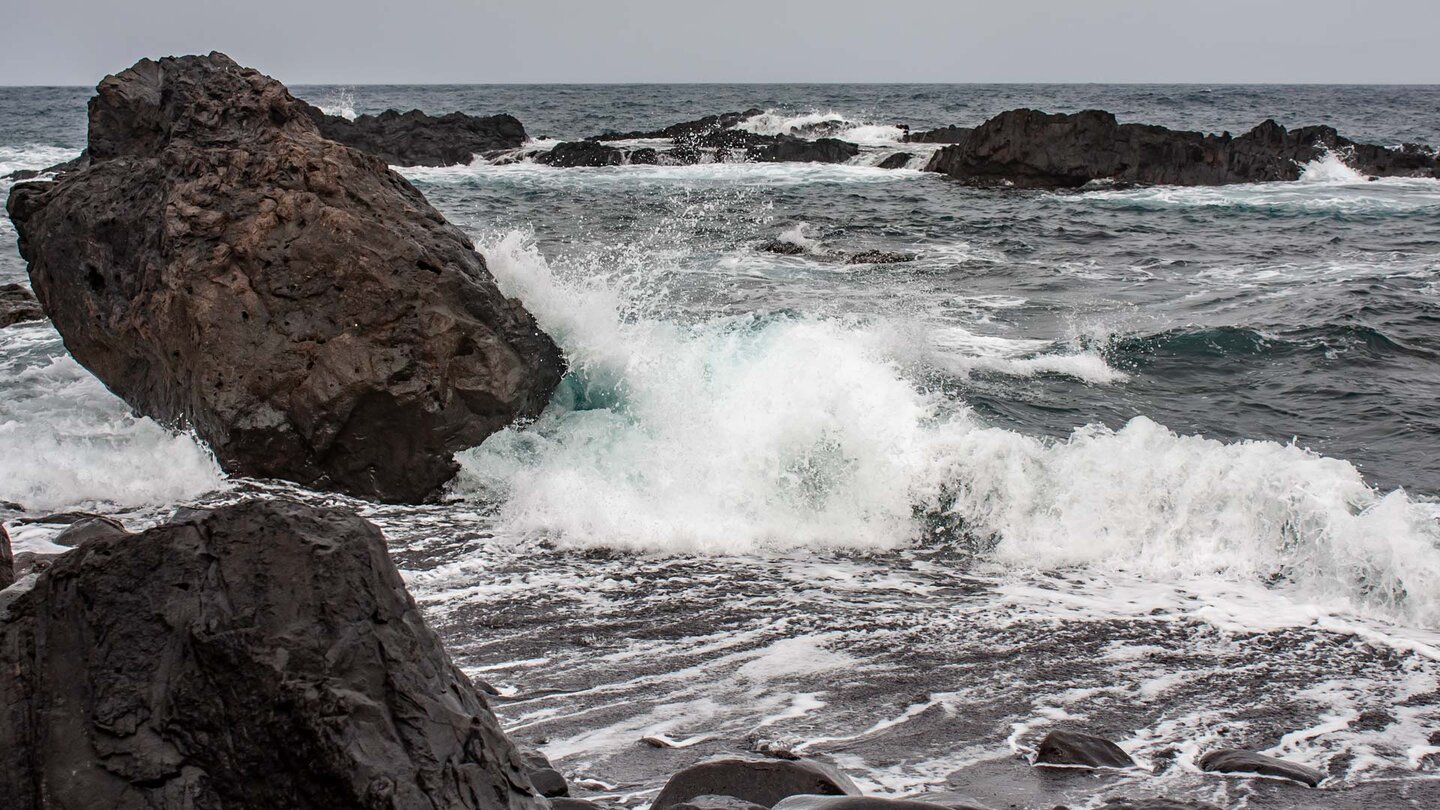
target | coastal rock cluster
[
  {"x": 223, "y": 260},
  {"x": 1031, "y": 149},
  {"x": 217, "y": 262}
]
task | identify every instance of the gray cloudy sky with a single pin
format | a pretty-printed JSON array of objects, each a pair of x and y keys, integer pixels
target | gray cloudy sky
[{"x": 436, "y": 41}]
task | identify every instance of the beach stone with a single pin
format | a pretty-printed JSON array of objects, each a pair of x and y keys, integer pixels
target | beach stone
[
  {"x": 417, "y": 139},
  {"x": 711, "y": 802},
  {"x": 1062, "y": 747},
  {"x": 763, "y": 782},
  {"x": 1031, "y": 149},
  {"x": 566, "y": 803},
  {"x": 264, "y": 654},
  {"x": 1155, "y": 804},
  {"x": 87, "y": 529},
  {"x": 221, "y": 265},
  {"x": 949, "y": 799},
  {"x": 18, "y": 305},
  {"x": 1232, "y": 760}
]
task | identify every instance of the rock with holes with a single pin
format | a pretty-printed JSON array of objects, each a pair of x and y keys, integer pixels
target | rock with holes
[
  {"x": 764, "y": 782},
  {"x": 221, "y": 265},
  {"x": 262, "y": 655}
]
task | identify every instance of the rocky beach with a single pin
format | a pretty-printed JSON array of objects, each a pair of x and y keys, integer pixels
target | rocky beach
[{"x": 714, "y": 460}]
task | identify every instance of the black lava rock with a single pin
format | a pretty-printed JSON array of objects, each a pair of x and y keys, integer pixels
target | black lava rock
[
  {"x": 18, "y": 305},
  {"x": 419, "y": 139},
  {"x": 581, "y": 153},
  {"x": 263, "y": 655}
]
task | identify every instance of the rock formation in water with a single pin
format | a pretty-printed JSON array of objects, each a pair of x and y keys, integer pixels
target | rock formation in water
[
  {"x": 7, "y": 559},
  {"x": 18, "y": 305},
  {"x": 1077, "y": 749},
  {"x": 581, "y": 153},
  {"x": 684, "y": 129},
  {"x": 417, "y": 139},
  {"x": 763, "y": 782},
  {"x": 1231, "y": 760},
  {"x": 1031, "y": 149},
  {"x": 263, "y": 655},
  {"x": 952, "y": 134},
  {"x": 221, "y": 265}
]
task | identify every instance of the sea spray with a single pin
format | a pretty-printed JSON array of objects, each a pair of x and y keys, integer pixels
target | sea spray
[{"x": 782, "y": 432}]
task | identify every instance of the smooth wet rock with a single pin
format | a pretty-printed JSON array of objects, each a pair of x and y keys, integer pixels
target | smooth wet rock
[
  {"x": 83, "y": 531},
  {"x": 18, "y": 305},
  {"x": 566, "y": 803},
  {"x": 263, "y": 655},
  {"x": 221, "y": 265},
  {"x": 949, "y": 799},
  {"x": 872, "y": 803},
  {"x": 1076, "y": 748},
  {"x": 581, "y": 153},
  {"x": 948, "y": 135},
  {"x": 899, "y": 160},
  {"x": 712, "y": 802},
  {"x": 417, "y": 139},
  {"x": 546, "y": 778},
  {"x": 1232, "y": 760},
  {"x": 764, "y": 782},
  {"x": 879, "y": 257},
  {"x": 1031, "y": 149},
  {"x": 7, "y": 559}
]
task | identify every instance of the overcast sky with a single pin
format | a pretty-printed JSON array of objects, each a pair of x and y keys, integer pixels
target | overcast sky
[{"x": 481, "y": 41}]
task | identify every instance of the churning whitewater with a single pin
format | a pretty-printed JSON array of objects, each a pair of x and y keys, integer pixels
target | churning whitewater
[{"x": 1156, "y": 460}]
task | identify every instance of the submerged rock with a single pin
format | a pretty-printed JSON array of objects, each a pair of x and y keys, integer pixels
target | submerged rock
[
  {"x": 221, "y": 265},
  {"x": 899, "y": 160},
  {"x": 418, "y": 139},
  {"x": 263, "y": 655},
  {"x": 1155, "y": 804},
  {"x": 1031, "y": 149},
  {"x": 581, "y": 153},
  {"x": 764, "y": 782},
  {"x": 1076, "y": 748},
  {"x": 878, "y": 257},
  {"x": 18, "y": 305},
  {"x": 782, "y": 247},
  {"x": 1231, "y": 760}
]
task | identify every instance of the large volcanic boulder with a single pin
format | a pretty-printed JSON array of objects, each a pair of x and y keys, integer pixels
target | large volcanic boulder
[
  {"x": 581, "y": 153},
  {"x": 418, "y": 139},
  {"x": 263, "y": 655},
  {"x": 1031, "y": 149},
  {"x": 221, "y": 265}
]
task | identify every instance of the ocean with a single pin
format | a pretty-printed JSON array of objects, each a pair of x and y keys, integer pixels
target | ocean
[{"x": 1158, "y": 463}]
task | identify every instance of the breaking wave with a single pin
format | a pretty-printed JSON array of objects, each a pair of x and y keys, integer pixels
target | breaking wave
[{"x": 774, "y": 432}]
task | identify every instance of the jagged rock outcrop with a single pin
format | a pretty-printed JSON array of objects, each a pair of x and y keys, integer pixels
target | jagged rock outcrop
[
  {"x": 899, "y": 160},
  {"x": 951, "y": 134},
  {"x": 263, "y": 655},
  {"x": 418, "y": 139},
  {"x": 581, "y": 153},
  {"x": 220, "y": 264},
  {"x": 684, "y": 129},
  {"x": 1031, "y": 149},
  {"x": 18, "y": 305},
  {"x": 795, "y": 150}
]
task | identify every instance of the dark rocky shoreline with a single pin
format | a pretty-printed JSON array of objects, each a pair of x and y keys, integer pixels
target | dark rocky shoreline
[{"x": 216, "y": 264}]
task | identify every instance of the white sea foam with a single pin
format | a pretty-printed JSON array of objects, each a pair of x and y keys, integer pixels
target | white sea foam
[
  {"x": 767, "y": 433},
  {"x": 1330, "y": 169},
  {"x": 828, "y": 124},
  {"x": 32, "y": 157},
  {"x": 66, "y": 442},
  {"x": 766, "y": 175},
  {"x": 341, "y": 103}
]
